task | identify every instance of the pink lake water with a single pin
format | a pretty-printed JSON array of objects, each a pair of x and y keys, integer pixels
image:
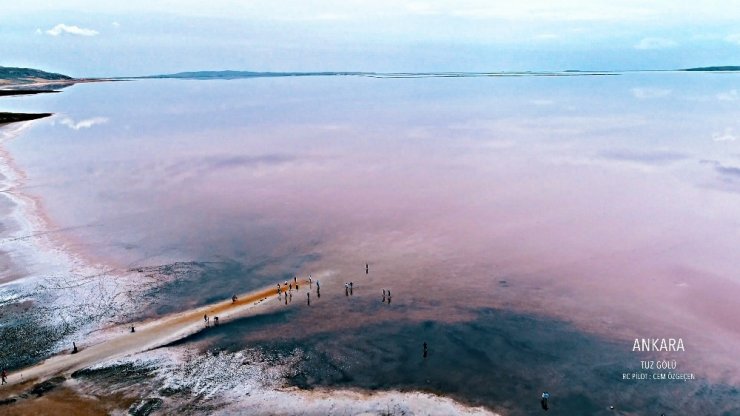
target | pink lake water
[{"x": 610, "y": 202}]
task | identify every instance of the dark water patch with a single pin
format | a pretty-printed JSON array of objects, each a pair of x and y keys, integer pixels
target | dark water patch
[
  {"x": 501, "y": 360},
  {"x": 46, "y": 386},
  {"x": 127, "y": 372},
  {"x": 215, "y": 281},
  {"x": 26, "y": 336},
  {"x": 145, "y": 407}
]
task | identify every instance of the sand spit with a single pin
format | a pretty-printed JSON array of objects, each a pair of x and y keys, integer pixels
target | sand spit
[{"x": 120, "y": 341}]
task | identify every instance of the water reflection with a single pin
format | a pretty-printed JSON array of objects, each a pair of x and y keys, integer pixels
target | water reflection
[{"x": 604, "y": 201}]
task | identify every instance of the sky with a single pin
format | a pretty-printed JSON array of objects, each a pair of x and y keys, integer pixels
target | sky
[{"x": 138, "y": 37}]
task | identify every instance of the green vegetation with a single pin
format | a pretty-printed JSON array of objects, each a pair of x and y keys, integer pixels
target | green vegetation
[{"x": 27, "y": 75}]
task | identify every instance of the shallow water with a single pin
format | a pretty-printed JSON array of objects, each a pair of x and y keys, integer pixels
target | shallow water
[{"x": 606, "y": 202}]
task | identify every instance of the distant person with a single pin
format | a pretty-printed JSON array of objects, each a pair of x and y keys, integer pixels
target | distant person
[
  {"x": 317, "y": 284},
  {"x": 233, "y": 299},
  {"x": 205, "y": 318},
  {"x": 310, "y": 282},
  {"x": 425, "y": 350},
  {"x": 308, "y": 298},
  {"x": 286, "y": 298},
  {"x": 4, "y": 376},
  {"x": 133, "y": 329},
  {"x": 74, "y": 348},
  {"x": 367, "y": 268},
  {"x": 543, "y": 401},
  {"x": 215, "y": 321},
  {"x": 295, "y": 279}
]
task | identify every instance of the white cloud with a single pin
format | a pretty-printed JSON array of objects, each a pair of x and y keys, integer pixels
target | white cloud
[
  {"x": 61, "y": 28},
  {"x": 730, "y": 95},
  {"x": 83, "y": 124},
  {"x": 655, "y": 43},
  {"x": 116, "y": 24},
  {"x": 733, "y": 38},
  {"x": 647, "y": 93},
  {"x": 725, "y": 136}
]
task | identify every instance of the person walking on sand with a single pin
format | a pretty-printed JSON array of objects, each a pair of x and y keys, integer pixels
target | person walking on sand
[
  {"x": 367, "y": 268},
  {"x": 5, "y": 376},
  {"x": 295, "y": 279},
  {"x": 308, "y": 298},
  {"x": 233, "y": 299}
]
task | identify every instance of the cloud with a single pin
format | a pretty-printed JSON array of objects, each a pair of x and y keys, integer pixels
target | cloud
[
  {"x": 116, "y": 24},
  {"x": 733, "y": 38},
  {"x": 648, "y": 157},
  {"x": 647, "y": 93},
  {"x": 61, "y": 28},
  {"x": 726, "y": 136},
  {"x": 83, "y": 124},
  {"x": 731, "y": 95},
  {"x": 655, "y": 43}
]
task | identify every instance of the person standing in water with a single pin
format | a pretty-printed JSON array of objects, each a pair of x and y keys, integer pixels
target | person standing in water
[
  {"x": 425, "y": 350},
  {"x": 4, "y": 376},
  {"x": 543, "y": 401}
]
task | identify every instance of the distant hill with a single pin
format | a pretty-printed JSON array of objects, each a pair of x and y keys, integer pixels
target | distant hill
[
  {"x": 713, "y": 68},
  {"x": 11, "y": 75},
  {"x": 245, "y": 74}
]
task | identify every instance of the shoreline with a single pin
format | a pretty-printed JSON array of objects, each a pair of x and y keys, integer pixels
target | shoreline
[{"x": 150, "y": 334}]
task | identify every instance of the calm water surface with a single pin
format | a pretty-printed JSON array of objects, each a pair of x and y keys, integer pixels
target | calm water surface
[{"x": 608, "y": 205}]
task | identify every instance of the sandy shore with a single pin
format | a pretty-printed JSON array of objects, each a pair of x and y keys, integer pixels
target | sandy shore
[{"x": 148, "y": 335}]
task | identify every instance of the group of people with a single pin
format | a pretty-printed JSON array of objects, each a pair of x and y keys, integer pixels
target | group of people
[{"x": 207, "y": 320}]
